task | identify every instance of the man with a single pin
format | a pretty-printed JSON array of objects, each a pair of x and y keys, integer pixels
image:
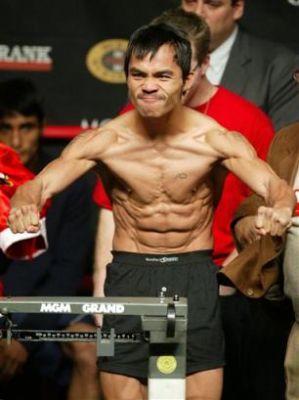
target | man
[
  {"x": 164, "y": 159},
  {"x": 233, "y": 113},
  {"x": 58, "y": 271},
  {"x": 256, "y": 69},
  {"x": 261, "y": 257}
]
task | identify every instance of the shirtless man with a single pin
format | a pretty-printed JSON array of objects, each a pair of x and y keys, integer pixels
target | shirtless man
[{"x": 163, "y": 158}]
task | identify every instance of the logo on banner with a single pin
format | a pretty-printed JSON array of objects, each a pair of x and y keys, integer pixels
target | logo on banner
[
  {"x": 293, "y": 2},
  {"x": 105, "y": 60},
  {"x": 25, "y": 58},
  {"x": 55, "y": 308},
  {"x": 106, "y": 308}
]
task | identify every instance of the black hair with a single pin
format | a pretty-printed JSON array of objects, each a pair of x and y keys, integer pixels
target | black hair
[
  {"x": 20, "y": 96},
  {"x": 149, "y": 38},
  {"x": 193, "y": 26}
]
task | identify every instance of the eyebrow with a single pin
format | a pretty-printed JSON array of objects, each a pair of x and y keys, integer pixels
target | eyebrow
[
  {"x": 157, "y": 73},
  {"x": 164, "y": 72}
]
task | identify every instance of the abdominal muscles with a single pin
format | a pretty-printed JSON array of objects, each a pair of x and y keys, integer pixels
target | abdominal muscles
[{"x": 164, "y": 226}]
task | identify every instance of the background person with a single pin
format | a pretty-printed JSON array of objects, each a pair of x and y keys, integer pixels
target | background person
[
  {"x": 257, "y": 69},
  {"x": 59, "y": 271},
  {"x": 271, "y": 256}
]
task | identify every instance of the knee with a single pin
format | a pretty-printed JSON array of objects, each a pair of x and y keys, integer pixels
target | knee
[{"x": 82, "y": 354}]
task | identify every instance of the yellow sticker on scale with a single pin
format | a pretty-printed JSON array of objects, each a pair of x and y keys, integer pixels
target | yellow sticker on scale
[{"x": 166, "y": 364}]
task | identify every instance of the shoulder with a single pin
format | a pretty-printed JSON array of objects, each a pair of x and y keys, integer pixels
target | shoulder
[
  {"x": 92, "y": 141},
  {"x": 266, "y": 49},
  {"x": 242, "y": 115},
  {"x": 229, "y": 143},
  {"x": 287, "y": 136},
  {"x": 237, "y": 103},
  {"x": 200, "y": 121}
]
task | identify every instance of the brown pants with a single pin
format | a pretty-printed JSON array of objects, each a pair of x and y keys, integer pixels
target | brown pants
[{"x": 292, "y": 364}]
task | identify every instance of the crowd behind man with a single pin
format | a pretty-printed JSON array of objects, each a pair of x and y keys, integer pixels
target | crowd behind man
[{"x": 261, "y": 72}]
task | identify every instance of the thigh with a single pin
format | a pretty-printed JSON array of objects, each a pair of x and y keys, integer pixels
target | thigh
[
  {"x": 121, "y": 387},
  {"x": 206, "y": 385}
]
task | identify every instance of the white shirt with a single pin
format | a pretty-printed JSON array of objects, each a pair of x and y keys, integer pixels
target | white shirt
[
  {"x": 291, "y": 259},
  {"x": 219, "y": 58}
]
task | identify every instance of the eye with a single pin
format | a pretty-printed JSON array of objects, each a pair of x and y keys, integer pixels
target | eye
[
  {"x": 4, "y": 128},
  {"x": 164, "y": 77},
  {"x": 28, "y": 127},
  {"x": 213, "y": 3}
]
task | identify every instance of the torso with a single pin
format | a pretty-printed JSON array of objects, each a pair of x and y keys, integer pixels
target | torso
[{"x": 163, "y": 192}]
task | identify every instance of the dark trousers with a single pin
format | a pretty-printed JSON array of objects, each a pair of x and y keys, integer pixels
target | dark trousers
[{"x": 256, "y": 333}]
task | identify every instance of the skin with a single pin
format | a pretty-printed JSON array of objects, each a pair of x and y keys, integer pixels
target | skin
[
  {"x": 151, "y": 152},
  {"x": 220, "y": 15},
  {"x": 84, "y": 384},
  {"x": 21, "y": 133}
]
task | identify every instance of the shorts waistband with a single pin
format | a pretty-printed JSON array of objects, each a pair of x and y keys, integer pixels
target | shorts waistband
[{"x": 169, "y": 258}]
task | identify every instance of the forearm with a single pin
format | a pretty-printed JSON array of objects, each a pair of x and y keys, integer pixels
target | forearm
[
  {"x": 103, "y": 248},
  {"x": 280, "y": 194}
]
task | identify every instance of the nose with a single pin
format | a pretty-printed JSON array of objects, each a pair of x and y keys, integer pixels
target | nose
[
  {"x": 16, "y": 139},
  {"x": 149, "y": 86},
  {"x": 199, "y": 8}
]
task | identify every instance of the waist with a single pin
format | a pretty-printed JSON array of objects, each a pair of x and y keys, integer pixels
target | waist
[{"x": 161, "y": 259}]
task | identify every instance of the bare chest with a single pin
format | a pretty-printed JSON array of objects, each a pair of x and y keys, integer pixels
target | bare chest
[{"x": 170, "y": 174}]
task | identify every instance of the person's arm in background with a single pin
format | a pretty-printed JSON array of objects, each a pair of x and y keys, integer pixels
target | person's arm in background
[
  {"x": 103, "y": 244},
  {"x": 103, "y": 248}
]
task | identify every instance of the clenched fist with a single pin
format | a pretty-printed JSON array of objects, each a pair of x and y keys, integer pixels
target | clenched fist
[
  {"x": 273, "y": 221},
  {"x": 24, "y": 219}
]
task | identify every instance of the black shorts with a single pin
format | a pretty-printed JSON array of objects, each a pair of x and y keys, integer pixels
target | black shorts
[{"x": 191, "y": 275}]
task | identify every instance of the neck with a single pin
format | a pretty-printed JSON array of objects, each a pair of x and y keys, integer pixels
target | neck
[
  {"x": 217, "y": 42},
  {"x": 160, "y": 127},
  {"x": 204, "y": 92}
]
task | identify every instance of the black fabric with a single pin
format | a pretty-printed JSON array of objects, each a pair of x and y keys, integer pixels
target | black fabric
[
  {"x": 256, "y": 334},
  {"x": 191, "y": 275}
]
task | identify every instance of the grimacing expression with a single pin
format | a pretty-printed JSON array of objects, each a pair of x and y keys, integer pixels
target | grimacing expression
[
  {"x": 220, "y": 15},
  {"x": 155, "y": 84},
  {"x": 21, "y": 133}
]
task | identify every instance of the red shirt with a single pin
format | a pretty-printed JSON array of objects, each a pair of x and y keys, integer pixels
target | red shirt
[{"x": 235, "y": 114}]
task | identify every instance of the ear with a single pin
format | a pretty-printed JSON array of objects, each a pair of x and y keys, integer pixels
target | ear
[
  {"x": 205, "y": 65},
  {"x": 188, "y": 83},
  {"x": 238, "y": 10}
]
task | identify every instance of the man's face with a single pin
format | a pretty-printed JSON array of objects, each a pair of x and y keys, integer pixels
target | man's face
[
  {"x": 220, "y": 15},
  {"x": 22, "y": 134},
  {"x": 155, "y": 84}
]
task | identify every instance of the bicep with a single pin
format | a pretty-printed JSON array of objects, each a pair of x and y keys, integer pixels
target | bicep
[
  {"x": 79, "y": 156},
  {"x": 104, "y": 241},
  {"x": 240, "y": 158}
]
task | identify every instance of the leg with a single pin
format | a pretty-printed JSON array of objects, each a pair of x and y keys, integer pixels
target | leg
[
  {"x": 84, "y": 383},
  {"x": 122, "y": 387},
  {"x": 292, "y": 364},
  {"x": 206, "y": 385}
]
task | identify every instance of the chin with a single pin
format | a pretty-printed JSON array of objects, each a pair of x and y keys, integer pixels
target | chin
[{"x": 147, "y": 112}]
